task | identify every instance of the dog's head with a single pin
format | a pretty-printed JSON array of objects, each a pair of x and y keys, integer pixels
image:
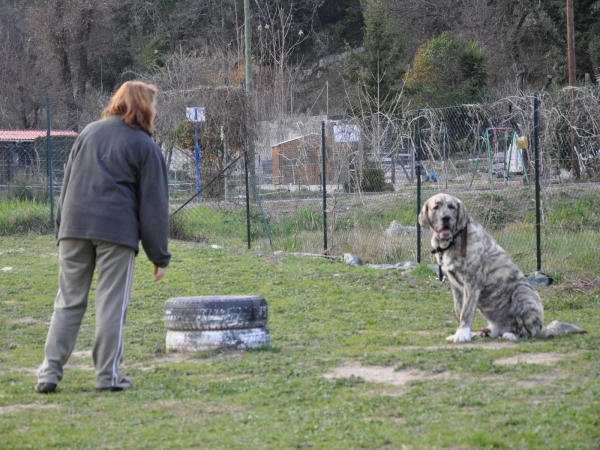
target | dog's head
[{"x": 444, "y": 214}]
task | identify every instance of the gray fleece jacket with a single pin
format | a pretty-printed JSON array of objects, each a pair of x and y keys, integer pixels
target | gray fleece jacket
[{"x": 115, "y": 190}]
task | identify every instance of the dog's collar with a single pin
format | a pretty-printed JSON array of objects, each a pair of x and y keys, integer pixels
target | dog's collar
[{"x": 463, "y": 248}]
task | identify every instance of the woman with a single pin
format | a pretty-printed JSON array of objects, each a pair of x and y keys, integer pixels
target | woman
[{"x": 114, "y": 194}]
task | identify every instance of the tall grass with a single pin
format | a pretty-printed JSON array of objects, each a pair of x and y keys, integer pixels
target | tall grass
[
  {"x": 24, "y": 216},
  {"x": 570, "y": 224},
  {"x": 29, "y": 186}
]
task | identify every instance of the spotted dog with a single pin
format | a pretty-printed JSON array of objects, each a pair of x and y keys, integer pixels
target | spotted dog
[{"x": 482, "y": 275}]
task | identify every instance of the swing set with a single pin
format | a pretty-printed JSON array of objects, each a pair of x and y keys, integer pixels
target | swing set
[{"x": 514, "y": 154}]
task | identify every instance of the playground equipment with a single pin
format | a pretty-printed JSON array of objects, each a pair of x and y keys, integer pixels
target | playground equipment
[{"x": 502, "y": 162}]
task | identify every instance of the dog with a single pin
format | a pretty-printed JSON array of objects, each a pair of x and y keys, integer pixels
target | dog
[{"x": 482, "y": 275}]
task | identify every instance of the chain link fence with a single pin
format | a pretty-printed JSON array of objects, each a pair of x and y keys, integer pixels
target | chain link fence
[
  {"x": 483, "y": 154},
  {"x": 336, "y": 185},
  {"x": 25, "y": 153},
  {"x": 219, "y": 212}
]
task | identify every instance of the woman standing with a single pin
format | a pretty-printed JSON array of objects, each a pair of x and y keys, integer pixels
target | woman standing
[{"x": 114, "y": 194}]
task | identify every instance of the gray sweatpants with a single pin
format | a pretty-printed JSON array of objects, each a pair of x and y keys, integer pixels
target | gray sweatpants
[{"x": 78, "y": 259}]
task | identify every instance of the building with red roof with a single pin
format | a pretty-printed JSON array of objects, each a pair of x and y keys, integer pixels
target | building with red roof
[{"x": 26, "y": 151}]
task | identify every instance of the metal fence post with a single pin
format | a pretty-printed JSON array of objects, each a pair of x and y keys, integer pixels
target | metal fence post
[
  {"x": 418, "y": 174},
  {"x": 197, "y": 155},
  {"x": 49, "y": 167},
  {"x": 247, "y": 198},
  {"x": 324, "y": 177},
  {"x": 536, "y": 126}
]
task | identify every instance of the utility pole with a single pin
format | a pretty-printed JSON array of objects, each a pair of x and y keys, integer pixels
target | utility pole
[
  {"x": 249, "y": 86},
  {"x": 572, "y": 83}
]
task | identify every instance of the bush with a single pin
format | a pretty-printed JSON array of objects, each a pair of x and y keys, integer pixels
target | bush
[{"x": 371, "y": 179}]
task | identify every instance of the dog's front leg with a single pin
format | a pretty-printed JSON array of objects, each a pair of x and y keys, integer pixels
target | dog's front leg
[{"x": 465, "y": 313}]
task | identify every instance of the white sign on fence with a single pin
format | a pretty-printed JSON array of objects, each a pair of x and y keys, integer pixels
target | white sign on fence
[
  {"x": 195, "y": 114},
  {"x": 346, "y": 133}
]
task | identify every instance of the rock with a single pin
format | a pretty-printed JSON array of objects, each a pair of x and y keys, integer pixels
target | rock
[
  {"x": 395, "y": 229},
  {"x": 539, "y": 279},
  {"x": 352, "y": 260}
]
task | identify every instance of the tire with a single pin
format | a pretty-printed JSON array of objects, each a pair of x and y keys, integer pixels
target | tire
[
  {"x": 201, "y": 341},
  {"x": 215, "y": 312}
]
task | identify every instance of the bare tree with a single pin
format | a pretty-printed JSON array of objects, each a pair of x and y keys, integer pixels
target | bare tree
[
  {"x": 283, "y": 26},
  {"x": 69, "y": 34},
  {"x": 22, "y": 99}
]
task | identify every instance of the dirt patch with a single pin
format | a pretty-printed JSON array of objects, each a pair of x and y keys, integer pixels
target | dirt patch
[
  {"x": 383, "y": 374},
  {"x": 16, "y": 408},
  {"x": 545, "y": 359}
]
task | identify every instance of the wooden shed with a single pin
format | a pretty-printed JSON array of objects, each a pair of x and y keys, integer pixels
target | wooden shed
[{"x": 298, "y": 161}]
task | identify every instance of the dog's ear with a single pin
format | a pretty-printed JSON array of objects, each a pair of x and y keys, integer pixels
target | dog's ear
[
  {"x": 424, "y": 216},
  {"x": 461, "y": 215}
]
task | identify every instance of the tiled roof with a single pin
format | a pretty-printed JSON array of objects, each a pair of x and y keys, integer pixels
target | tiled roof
[{"x": 30, "y": 135}]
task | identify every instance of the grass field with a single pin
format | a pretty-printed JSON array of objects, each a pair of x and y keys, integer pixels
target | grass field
[{"x": 358, "y": 361}]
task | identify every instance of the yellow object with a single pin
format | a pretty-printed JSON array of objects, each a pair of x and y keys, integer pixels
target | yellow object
[{"x": 522, "y": 142}]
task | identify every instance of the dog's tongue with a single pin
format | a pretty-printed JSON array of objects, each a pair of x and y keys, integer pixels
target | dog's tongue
[{"x": 445, "y": 232}]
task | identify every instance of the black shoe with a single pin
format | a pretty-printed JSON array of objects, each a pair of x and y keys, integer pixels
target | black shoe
[
  {"x": 45, "y": 388},
  {"x": 121, "y": 386}
]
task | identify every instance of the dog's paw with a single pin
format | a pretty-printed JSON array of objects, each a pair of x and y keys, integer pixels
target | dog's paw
[
  {"x": 461, "y": 335},
  {"x": 509, "y": 336}
]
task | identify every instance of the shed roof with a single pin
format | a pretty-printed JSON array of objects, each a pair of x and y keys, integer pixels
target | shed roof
[
  {"x": 30, "y": 135},
  {"x": 299, "y": 138}
]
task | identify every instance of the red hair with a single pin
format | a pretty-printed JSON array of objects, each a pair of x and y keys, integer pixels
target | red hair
[{"x": 135, "y": 101}]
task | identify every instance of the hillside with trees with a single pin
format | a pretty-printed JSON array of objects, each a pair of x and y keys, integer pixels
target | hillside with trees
[{"x": 308, "y": 56}]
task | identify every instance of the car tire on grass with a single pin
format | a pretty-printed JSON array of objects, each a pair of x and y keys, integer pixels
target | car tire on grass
[
  {"x": 215, "y": 312},
  {"x": 201, "y": 341}
]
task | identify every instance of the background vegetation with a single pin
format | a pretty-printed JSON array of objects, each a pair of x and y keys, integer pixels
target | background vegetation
[{"x": 79, "y": 50}]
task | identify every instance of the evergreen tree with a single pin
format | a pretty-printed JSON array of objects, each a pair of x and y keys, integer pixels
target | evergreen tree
[
  {"x": 376, "y": 71},
  {"x": 446, "y": 71}
]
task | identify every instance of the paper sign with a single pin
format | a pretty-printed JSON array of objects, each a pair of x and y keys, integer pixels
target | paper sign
[
  {"x": 346, "y": 133},
  {"x": 195, "y": 114}
]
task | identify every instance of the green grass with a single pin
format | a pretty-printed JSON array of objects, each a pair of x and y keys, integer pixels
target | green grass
[
  {"x": 322, "y": 315},
  {"x": 24, "y": 216}
]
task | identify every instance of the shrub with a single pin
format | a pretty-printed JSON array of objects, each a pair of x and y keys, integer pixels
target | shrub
[{"x": 372, "y": 179}]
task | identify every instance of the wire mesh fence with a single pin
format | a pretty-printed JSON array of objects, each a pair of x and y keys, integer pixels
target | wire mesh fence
[
  {"x": 483, "y": 154},
  {"x": 218, "y": 212},
  {"x": 35, "y": 147},
  {"x": 351, "y": 185}
]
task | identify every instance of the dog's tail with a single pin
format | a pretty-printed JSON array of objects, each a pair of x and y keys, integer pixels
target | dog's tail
[{"x": 556, "y": 327}]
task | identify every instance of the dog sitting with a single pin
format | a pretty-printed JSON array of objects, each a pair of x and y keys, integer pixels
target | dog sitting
[{"x": 482, "y": 275}]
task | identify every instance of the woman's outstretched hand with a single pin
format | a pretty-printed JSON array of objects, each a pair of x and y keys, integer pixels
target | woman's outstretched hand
[{"x": 159, "y": 273}]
